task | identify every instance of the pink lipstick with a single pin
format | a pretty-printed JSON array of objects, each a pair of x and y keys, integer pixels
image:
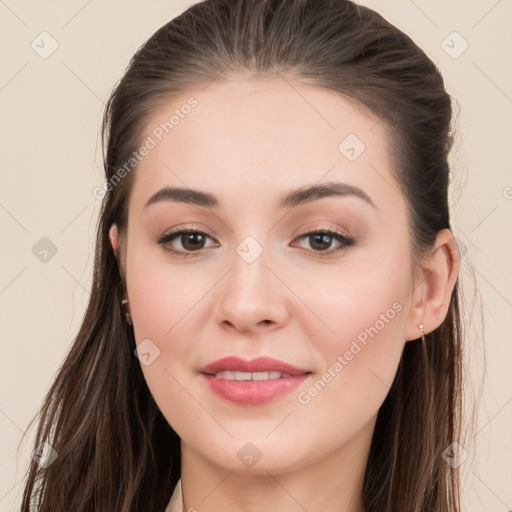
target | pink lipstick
[{"x": 252, "y": 382}]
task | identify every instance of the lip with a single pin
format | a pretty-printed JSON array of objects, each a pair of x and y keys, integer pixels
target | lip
[
  {"x": 253, "y": 392},
  {"x": 260, "y": 364}
]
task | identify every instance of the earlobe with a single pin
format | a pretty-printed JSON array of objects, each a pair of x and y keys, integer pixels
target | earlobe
[{"x": 432, "y": 297}]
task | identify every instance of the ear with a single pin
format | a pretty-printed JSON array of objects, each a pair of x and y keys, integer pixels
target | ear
[
  {"x": 113, "y": 235},
  {"x": 431, "y": 297},
  {"x": 118, "y": 249}
]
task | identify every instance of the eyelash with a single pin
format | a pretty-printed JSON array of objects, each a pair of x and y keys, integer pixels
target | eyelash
[{"x": 344, "y": 240}]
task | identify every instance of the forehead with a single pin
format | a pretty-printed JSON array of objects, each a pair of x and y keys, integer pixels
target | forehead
[{"x": 250, "y": 140}]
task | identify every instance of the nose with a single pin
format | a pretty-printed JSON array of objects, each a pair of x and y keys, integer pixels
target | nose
[{"x": 251, "y": 296}]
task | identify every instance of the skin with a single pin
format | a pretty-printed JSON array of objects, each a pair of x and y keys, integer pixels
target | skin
[{"x": 248, "y": 142}]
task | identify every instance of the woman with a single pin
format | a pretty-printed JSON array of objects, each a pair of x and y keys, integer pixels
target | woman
[{"x": 274, "y": 320}]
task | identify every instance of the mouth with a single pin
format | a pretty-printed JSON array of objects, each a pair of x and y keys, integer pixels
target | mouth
[
  {"x": 262, "y": 368},
  {"x": 248, "y": 376},
  {"x": 252, "y": 382}
]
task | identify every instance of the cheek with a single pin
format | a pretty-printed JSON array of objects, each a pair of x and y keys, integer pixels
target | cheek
[
  {"x": 159, "y": 293},
  {"x": 360, "y": 359},
  {"x": 164, "y": 301},
  {"x": 359, "y": 322}
]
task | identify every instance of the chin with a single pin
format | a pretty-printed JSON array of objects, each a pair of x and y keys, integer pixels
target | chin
[{"x": 257, "y": 457}]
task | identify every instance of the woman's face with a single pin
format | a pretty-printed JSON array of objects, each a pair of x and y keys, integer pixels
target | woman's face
[{"x": 253, "y": 286}]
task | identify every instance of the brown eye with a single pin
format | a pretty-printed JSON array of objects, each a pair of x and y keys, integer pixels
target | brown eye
[
  {"x": 190, "y": 240},
  {"x": 321, "y": 241}
]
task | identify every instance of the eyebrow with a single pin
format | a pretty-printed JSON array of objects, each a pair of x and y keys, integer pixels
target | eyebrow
[{"x": 291, "y": 199}]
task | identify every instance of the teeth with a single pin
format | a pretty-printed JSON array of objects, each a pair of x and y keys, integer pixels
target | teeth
[{"x": 229, "y": 375}]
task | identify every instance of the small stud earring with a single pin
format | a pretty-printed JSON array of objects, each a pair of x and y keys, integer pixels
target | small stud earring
[
  {"x": 127, "y": 313},
  {"x": 420, "y": 327}
]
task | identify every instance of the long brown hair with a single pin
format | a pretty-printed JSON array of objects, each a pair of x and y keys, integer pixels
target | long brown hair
[{"x": 116, "y": 451}]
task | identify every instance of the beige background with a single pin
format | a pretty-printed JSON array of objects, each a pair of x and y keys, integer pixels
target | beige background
[{"x": 51, "y": 162}]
